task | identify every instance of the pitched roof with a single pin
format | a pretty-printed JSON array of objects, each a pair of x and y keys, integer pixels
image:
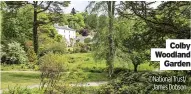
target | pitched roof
[{"x": 64, "y": 27}]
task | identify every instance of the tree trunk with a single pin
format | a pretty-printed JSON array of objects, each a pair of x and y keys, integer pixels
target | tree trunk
[
  {"x": 135, "y": 67},
  {"x": 35, "y": 34},
  {"x": 110, "y": 58}
]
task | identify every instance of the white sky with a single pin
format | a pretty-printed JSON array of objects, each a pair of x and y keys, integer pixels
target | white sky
[
  {"x": 78, "y": 5},
  {"x": 81, "y": 5}
]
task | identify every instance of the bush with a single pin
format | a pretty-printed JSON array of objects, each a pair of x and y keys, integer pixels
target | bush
[
  {"x": 56, "y": 48},
  {"x": 15, "y": 54},
  {"x": 19, "y": 67},
  {"x": 87, "y": 40},
  {"x": 78, "y": 40},
  {"x": 31, "y": 55},
  {"x": 67, "y": 89},
  {"x": 28, "y": 44},
  {"x": 58, "y": 38},
  {"x": 140, "y": 83},
  {"x": 19, "y": 90},
  {"x": 81, "y": 47},
  {"x": 51, "y": 67},
  {"x": 70, "y": 50}
]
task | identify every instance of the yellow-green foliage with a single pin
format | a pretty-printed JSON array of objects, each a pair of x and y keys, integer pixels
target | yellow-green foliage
[
  {"x": 51, "y": 67},
  {"x": 23, "y": 90},
  {"x": 83, "y": 61},
  {"x": 67, "y": 89},
  {"x": 52, "y": 63},
  {"x": 31, "y": 55},
  {"x": 86, "y": 63}
]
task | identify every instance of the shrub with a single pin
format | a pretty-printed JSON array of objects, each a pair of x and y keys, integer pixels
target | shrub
[
  {"x": 76, "y": 49},
  {"x": 36, "y": 67},
  {"x": 15, "y": 54},
  {"x": 3, "y": 53},
  {"x": 68, "y": 89},
  {"x": 20, "y": 67},
  {"x": 85, "y": 48},
  {"x": 51, "y": 67},
  {"x": 140, "y": 83},
  {"x": 70, "y": 50},
  {"x": 56, "y": 48},
  {"x": 19, "y": 90},
  {"x": 58, "y": 38},
  {"x": 31, "y": 56},
  {"x": 28, "y": 44},
  {"x": 81, "y": 47},
  {"x": 107, "y": 89},
  {"x": 78, "y": 40},
  {"x": 87, "y": 40}
]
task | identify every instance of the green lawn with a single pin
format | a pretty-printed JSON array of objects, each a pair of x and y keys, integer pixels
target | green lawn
[{"x": 10, "y": 79}]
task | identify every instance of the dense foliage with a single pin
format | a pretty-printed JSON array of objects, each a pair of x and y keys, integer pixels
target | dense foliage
[
  {"x": 140, "y": 82},
  {"x": 14, "y": 54},
  {"x": 123, "y": 34},
  {"x": 51, "y": 67}
]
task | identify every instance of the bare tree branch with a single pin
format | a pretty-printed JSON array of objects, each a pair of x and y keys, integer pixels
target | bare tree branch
[
  {"x": 41, "y": 3},
  {"x": 46, "y": 7}
]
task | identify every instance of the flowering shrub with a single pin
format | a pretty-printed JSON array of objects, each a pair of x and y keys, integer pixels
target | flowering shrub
[{"x": 15, "y": 54}]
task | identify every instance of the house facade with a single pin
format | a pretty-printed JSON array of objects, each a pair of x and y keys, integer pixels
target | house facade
[{"x": 67, "y": 33}]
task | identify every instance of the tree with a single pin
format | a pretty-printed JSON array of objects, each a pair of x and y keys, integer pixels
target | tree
[
  {"x": 153, "y": 26},
  {"x": 73, "y": 12},
  {"x": 130, "y": 41},
  {"x": 51, "y": 67},
  {"x": 39, "y": 7},
  {"x": 170, "y": 19},
  {"x": 56, "y": 8},
  {"x": 110, "y": 55},
  {"x": 63, "y": 20},
  {"x": 15, "y": 26},
  {"x": 91, "y": 21},
  {"x": 110, "y": 8},
  {"x": 76, "y": 21}
]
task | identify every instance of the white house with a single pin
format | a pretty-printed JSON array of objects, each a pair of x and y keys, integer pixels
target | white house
[{"x": 67, "y": 33}]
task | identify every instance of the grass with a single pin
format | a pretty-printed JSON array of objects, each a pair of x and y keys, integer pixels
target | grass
[
  {"x": 79, "y": 77},
  {"x": 81, "y": 68},
  {"x": 17, "y": 67},
  {"x": 85, "y": 62},
  {"x": 11, "y": 79}
]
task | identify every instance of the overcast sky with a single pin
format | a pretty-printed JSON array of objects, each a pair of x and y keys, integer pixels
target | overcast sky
[
  {"x": 81, "y": 5},
  {"x": 78, "y": 5}
]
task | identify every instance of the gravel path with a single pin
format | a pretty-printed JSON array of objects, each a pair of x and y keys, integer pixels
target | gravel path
[{"x": 90, "y": 84}]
